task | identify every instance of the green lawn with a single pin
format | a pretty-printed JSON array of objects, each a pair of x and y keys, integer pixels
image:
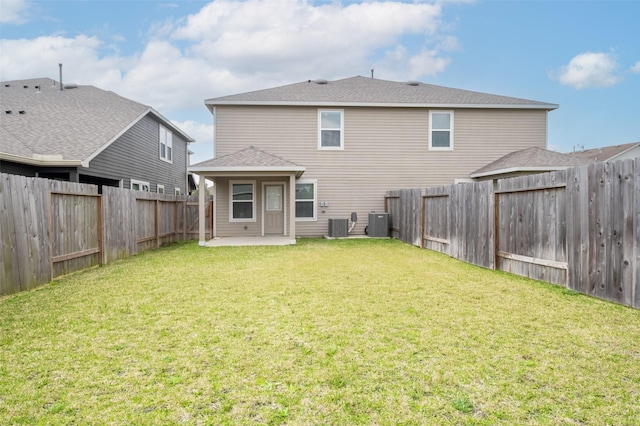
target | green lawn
[{"x": 325, "y": 332}]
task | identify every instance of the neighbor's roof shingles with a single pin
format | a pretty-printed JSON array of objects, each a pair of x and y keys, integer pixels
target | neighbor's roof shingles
[
  {"x": 605, "y": 153},
  {"x": 374, "y": 92},
  {"x": 530, "y": 159},
  {"x": 73, "y": 124}
]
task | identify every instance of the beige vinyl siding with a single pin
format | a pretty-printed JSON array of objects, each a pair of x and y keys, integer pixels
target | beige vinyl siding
[
  {"x": 384, "y": 148},
  {"x": 225, "y": 228}
]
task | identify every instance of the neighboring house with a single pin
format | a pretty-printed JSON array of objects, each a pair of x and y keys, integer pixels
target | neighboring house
[
  {"x": 88, "y": 135},
  {"x": 610, "y": 153},
  {"x": 288, "y": 159},
  {"x": 525, "y": 162}
]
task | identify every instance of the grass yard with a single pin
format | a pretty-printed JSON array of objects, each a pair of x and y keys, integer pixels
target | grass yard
[{"x": 325, "y": 332}]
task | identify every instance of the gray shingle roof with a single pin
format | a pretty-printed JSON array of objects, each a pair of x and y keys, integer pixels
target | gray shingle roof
[
  {"x": 374, "y": 92},
  {"x": 530, "y": 159},
  {"x": 247, "y": 159},
  {"x": 604, "y": 153},
  {"x": 70, "y": 125}
]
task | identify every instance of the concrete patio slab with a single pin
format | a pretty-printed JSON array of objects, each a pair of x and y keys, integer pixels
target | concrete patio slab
[{"x": 270, "y": 240}]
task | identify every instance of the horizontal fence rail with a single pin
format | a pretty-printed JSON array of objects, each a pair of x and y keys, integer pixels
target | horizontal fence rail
[
  {"x": 579, "y": 228},
  {"x": 51, "y": 228}
]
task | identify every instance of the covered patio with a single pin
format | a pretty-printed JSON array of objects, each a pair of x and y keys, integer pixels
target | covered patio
[{"x": 254, "y": 197}]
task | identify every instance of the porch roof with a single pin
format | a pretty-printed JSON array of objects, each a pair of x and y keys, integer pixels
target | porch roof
[{"x": 247, "y": 161}]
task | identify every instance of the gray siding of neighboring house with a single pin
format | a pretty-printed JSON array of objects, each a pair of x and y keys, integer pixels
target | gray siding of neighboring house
[
  {"x": 632, "y": 153},
  {"x": 384, "y": 149},
  {"x": 136, "y": 155}
]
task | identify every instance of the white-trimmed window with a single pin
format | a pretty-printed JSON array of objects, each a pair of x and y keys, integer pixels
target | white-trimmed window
[
  {"x": 139, "y": 185},
  {"x": 160, "y": 189},
  {"x": 330, "y": 129},
  {"x": 242, "y": 206},
  {"x": 441, "y": 130},
  {"x": 306, "y": 195},
  {"x": 166, "y": 144},
  {"x": 177, "y": 191}
]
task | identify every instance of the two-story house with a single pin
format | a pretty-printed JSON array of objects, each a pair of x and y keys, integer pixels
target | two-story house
[
  {"x": 84, "y": 134},
  {"x": 288, "y": 159}
]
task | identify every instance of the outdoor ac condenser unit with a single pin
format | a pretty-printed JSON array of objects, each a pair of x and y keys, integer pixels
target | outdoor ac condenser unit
[
  {"x": 338, "y": 227},
  {"x": 378, "y": 225}
]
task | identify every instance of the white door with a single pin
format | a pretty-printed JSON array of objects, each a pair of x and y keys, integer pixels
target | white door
[{"x": 274, "y": 210}]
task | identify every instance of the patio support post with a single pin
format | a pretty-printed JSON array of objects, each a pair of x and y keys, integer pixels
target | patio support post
[
  {"x": 202, "y": 189},
  {"x": 292, "y": 207}
]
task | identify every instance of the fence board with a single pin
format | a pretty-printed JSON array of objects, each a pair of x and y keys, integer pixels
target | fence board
[
  {"x": 435, "y": 217},
  {"x": 636, "y": 238},
  {"x": 7, "y": 236}
]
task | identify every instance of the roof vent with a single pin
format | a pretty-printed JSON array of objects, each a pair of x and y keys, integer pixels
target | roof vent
[
  {"x": 70, "y": 86},
  {"x": 25, "y": 87},
  {"x": 21, "y": 112},
  {"x": 413, "y": 83},
  {"x": 321, "y": 81},
  {"x": 7, "y": 85},
  {"x": 8, "y": 111}
]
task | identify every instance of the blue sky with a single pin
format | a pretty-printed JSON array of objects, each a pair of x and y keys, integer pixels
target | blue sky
[{"x": 582, "y": 55}]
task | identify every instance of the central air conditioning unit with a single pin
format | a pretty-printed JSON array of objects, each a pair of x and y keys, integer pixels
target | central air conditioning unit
[
  {"x": 378, "y": 225},
  {"x": 338, "y": 227}
]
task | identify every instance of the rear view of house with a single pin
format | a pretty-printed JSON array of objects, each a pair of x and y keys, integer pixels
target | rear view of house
[
  {"x": 84, "y": 134},
  {"x": 316, "y": 150}
]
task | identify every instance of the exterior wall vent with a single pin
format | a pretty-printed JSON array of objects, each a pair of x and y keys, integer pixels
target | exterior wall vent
[{"x": 338, "y": 228}]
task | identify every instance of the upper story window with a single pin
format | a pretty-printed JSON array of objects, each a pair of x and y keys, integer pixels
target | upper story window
[
  {"x": 166, "y": 144},
  {"x": 160, "y": 189},
  {"x": 243, "y": 206},
  {"x": 305, "y": 200},
  {"x": 441, "y": 130},
  {"x": 330, "y": 129}
]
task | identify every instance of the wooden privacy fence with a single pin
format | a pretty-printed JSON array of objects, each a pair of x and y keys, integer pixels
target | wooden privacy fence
[
  {"x": 579, "y": 228},
  {"x": 50, "y": 228}
]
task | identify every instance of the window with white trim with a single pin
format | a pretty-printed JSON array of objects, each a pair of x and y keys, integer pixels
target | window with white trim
[
  {"x": 306, "y": 200},
  {"x": 160, "y": 189},
  {"x": 139, "y": 185},
  {"x": 441, "y": 130},
  {"x": 242, "y": 206},
  {"x": 166, "y": 144},
  {"x": 177, "y": 191},
  {"x": 330, "y": 129}
]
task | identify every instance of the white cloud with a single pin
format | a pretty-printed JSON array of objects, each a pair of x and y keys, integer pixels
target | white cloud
[
  {"x": 399, "y": 64},
  {"x": 13, "y": 11},
  {"x": 636, "y": 68},
  {"x": 290, "y": 41},
  {"x": 202, "y": 148},
  {"x": 40, "y": 58},
  {"x": 591, "y": 69}
]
